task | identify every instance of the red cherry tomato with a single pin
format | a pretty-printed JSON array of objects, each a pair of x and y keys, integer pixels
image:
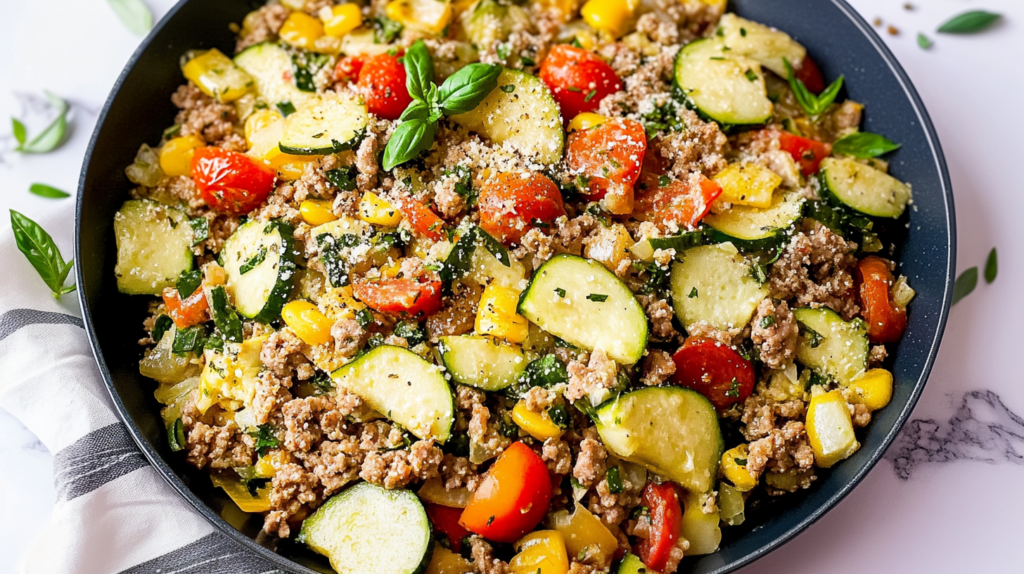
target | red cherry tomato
[
  {"x": 513, "y": 203},
  {"x": 512, "y": 499},
  {"x": 348, "y": 68},
  {"x": 578, "y": 79},
  {"x": 400, "y": 296},
  {"x": 810, "y": 75},
  {"x": 608, "y": 154},
  {"x": 420, "y": 217},
  {"x": 715, "y": 371},
  {"x": 446, "y": 520},
  {"x": 886, "y": 321},
  {"x": 189, "y": 311},
  {"x": 382, "y": 83},
  {"x": 666, "y": 521},
  {"x": 807, "y": 152},
  {"x": 230, "y": 182},
  {"x": 672, "y": 203}
]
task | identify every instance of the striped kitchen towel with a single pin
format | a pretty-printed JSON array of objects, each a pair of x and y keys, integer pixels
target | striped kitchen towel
[{"x": 113, "y": 513}]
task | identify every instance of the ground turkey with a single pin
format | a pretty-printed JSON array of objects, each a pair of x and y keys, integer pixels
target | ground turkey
[
  {"x": 775, "y": 331},
  {"x": 816, "y": 268}
]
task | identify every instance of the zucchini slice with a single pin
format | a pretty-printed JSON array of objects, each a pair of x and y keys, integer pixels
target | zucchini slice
[
  {"x": 864, "y": 188},
  {"x": 154, "y": 246},
  {"x": 770, "y": 47},
  {"x": 260, "y": 264},
  {"x": 631, "y": 564},
  {"x": 583, "y": 303},
  {"x": 482, "y": 362},
  {"x": 713, "y": 284},
  {"x": 270, "y": 66},
  {"x": 752, "y": 224},
  {"x": 404, "y": 387},
  {"x": 327, "y": 123},
  {"x": 670, "y": 430},
  {"x": 830, "y": 345},
  {"x": 520, "y": 114},
  {"x": 371, "y": 530},
  {"x": 721, "y": 86}
]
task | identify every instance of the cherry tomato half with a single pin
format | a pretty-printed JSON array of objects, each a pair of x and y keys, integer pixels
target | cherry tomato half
[
  {"x": 348, "y": 68},
  {"x": 886, "y": 321},
  {"x": 400, "y": 296},
  {"x": 578, "y": 79},
  {"x": 807, "y": 152},
  {"x": 382, "y": 84},
  {"x": 512, "y": 499},
  {"x": 715, "y": 371},
  {"x": 446, "y": 520},
  {"x": 230, "y": 182},
  {"x": 608, "y": 156},
  {"x": 675, "y": 203},
  {"x": 666, "y": 521},
  {"x": 420, "y": 217},
  {"x": 189, "y": 311},
  {"x": 513, "y": 203}
]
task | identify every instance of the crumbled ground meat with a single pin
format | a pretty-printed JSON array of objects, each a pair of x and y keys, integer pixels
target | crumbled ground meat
[
  {"x": 700, "y": 147},
  {"x": 346, "y": 203},
  {"x": 761, "y": 415},
  {"x": 349, "y": 337},
  {"x": 539, "y": 399},
  {"x": 590, "y": 463},
  {"x": 458, "y": 472},
  {"x": 660, "y": 314},
  {"x": 703, "y": 330},
  {"x": 335, "y": 463},
  {"x": 584, "y": 379},
  {"x": 458, "y": 315},
  {"x": 658, "y": 367},
  {"x": 448, "y": 202},
  {"x": 261, "y": 26},
  {"x": 309, "y": 419},
  {"x": 203, "y": 116},
  {"x": 293, "y": 493},
  {"x": 614, "y": 508},
  {"x": 271, "y": 394},
  {"x": 817, "y": 268},
  {"x": 314, "y": 182},
  {"x": 658, "y": 27},
  {"x": 565, "y": 236},
  {"x": 877, "y": 356},
  {"x": 218, "y": 446},
  {"x": 782, "y": 450},
  {"x": 397, "y": 468},
  {"x": 775, "y": 330},
  {"x": 483, "y": 557},
  {"x": 558, "y": 455},
  {"x": 644, "y": 89},
  {"x": 377, "y": 134},
  {"x": 675, "y": 555},
  {"x": 483, "y": 431},
  {"x": 282, "y": 353}
]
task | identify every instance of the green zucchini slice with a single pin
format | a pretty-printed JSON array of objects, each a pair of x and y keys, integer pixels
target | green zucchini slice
[
  {"x": 713, "y": 284},
  {"x": 752, "y": 223},
  {"x": 327, "y": 123},
  {"x": 270, "y": 66},
  {"x": 482, "y": 362},
  {"x": 721, "y": 86},
  {"x": 770, "y": 47},
  {"x": 831, "y": 346},
  {"x": 864, "y": 188},
  {"x": 260, "y": 265},
  {"x": 154, "y": 246}
]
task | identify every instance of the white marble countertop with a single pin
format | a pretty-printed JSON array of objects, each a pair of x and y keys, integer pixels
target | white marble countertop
[{"x": 963, "y": 497}]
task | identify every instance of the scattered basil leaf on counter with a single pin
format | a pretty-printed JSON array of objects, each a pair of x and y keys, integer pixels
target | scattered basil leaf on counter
[
  {"x": 864, "y": 145},
  {"x": 51, "y": 136},
  {"x": 969, "y": 22},
  {"x": 41, "y": 251},
  {"x": 47, "y": 191},
  {"x": 965, "y": 283},
  {"x": 813, "y": 105},
  {"x": 19, "y": 131},
  {"x": 134, "y": 14},
  {"x": 991, "y": 266},
  {"x": 924, "y": 42}
]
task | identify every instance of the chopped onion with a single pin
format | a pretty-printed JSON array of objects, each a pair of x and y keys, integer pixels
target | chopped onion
[
  {"x": 146, "y": 169},
  {"x": 902, "y": 293}
]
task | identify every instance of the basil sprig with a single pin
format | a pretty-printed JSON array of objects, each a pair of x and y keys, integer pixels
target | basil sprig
[
  {"x": 813, "y": 105},
  {"x": 864, "y": 145},
  {"x": 47, "y": 191},
  {"x": 134, "y": 14},
  {"x": 52, "y": 135},
  {"x": 460, "y": 93},
  {"x": 969, "y": 22},
  {"x": 41, "y": 251}
]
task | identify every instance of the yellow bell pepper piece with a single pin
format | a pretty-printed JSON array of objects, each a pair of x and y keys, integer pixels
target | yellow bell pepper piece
[
  {"x": 700, "y": 529},
  {"x": 540, "y": 552},
  {"x": 444, "y": 561},
  {"x": 585, "y": 534},
  {"x": 585, "y": 121},
  {"x": 341, "y": 19},
  {"x": 735, "y": 472},
  {"x": 338, "y": 303},
  {"x": 266, "y": 466},
  {"x": 872, "y": 388},
  {"x": 259, "y": 120},
  {"x": 537, "y": 425},
  {"x": 433, "y": 491},
  {"x": 611, "y": 16},
  {"x": 373, "y": 209},
  {"x": 830, "y": 428},
  {"x": 312, "y": 326},
  {"x": 176, "y": 155},
  {"x": 496, "y": 315},
  {"x": 217, "y": 76},
  {"x": 240, "y": 495},
  {"x": 430, "y": 16},
  {"x": 748, "y": 184},
  {"x": 288, "y": 167},
  {"x": 317, "y": 211},
  {"x": 301, "y": 30},
  {"x": 229, "y": 377}
]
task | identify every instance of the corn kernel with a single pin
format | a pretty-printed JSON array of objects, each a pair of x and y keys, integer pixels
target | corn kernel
[
  {"x": 341, "y": 19},
  {"x": 259, "y": 120},
  {"x": 301, "y": 30},
  {"x": 496, "y": 315},
  {"x": 317, "y": 211},
  {"x": 217, "y": 76},
  {"x": 373, "y": 209},
  {"x": 176, "y": 155},
  {"x": 312, "y": 326},
  {"x": 540, "y": 552},
  {"x": 830, "y": 428},
  {"x": 872, "y": 388},
  {"x": 734, "y": 468},
  {"x": 748, "y": 184},
  {"x": 535, "y": 424},
  {"x": 585, "y": 121},
  {"x": 610, "y": 16},
  {"x": 426, "y": 15}
]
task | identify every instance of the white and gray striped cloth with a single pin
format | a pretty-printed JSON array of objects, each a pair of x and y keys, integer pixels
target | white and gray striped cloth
[{"x": 113, "y": 513}]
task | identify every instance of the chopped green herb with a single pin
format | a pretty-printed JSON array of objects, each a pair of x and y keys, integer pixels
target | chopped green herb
[
  {"x": 614, "y": 480},
  {"x": 924, "y": 42},
  {"x": 188, "y": 340},
  {"x": 162, "y": 324},
  {"x": 508, "y": 88},
  {"x": 265, "y": 437},
  {"x": 816, "y": 379},
  {"x": 743, "y": 32},
  {"x": 344, "y": 178},
  {"x": 767, "y": 321},
  {"x": 224, "y": 316},
  {"x": 364, "y": 318},
  {"x": 597, "y": 298},
  {"x": 560, "y": 292},
  {"x": 174, "y": 131},
  {"x": 574, "y": 89},
  {"x": 693, "y": 293},
  {"x": 740, "y": 461},
  {"x": 286, "y": 108},
  {"x": 188, "y": 282},
  {"x": 663, "y": 181},
  {"x": 544, "y": 372},
  {"x": 200, "y": 230},
  {"x": 590, "y": 95},
  {"x": 751, "y": 75},
  {"x": 734, "y": 389},
  {"x": 411, "y": 331},
  {"x": 385, "y": 30},
  {"x": 503, "y": 51},
  {"x": 813, "y": 338},
  {"x": 527, "y": 61},
  {"x": 253, "y": 261},
  {"x": 559, "y": 415}
]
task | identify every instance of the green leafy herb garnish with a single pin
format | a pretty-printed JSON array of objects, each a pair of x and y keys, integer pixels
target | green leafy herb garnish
[
  {"x": 265, "y": 439},
  {"x": 253, "y": 261},
  {"x": 614, "y": 480},
  {"x": 544, "y": 372},
  {"x": 411, "y": 331},
  {"x": 864, "y": 145},
  {"x": 224, "y": 316},
  {"x": 813, "y": 105},
  {"x": 559, "y": 415},
  {"x": 344, "y": 178},
  {"x": 751, "y": 75},
  {"x": 970, "y": 22},
  {"x": 965, "y": 283},
  {"x": 813, "y": 338},
  {"x": 188, "y": 282},
  {"x": 51, "y": 136},
  {"x": 47, "y": 191},
  {"x": 560, "y": 292},
  {"x": 991, "y": 266},
  {"x": 286, "y": 108},
  {"x": 323, "y": 383},
  {"x": 508, "y": 88},
  {"x": 134, "y": 14},
  {"x": 41, "y": 251},
  {"x": 188, "y": 340},
  {"x": 364, "y": 318},
  {"x": 693, "y": 293},
  {"x": 590, "y": 95},
  {"x": 162, "y": 324},
  {"x": 924, "y": 42},
  {"x": 176, "y": 435},
  {"x": 385, "y": 30},
  {"x": 200, "y": 230},
  {"x": 767, "y": 321}
]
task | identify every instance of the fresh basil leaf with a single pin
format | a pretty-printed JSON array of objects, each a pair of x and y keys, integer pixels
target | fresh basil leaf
[
  {"x": 465, "y": 89},
  {"x": 305, "y": 67},
  {"x": 827, "y": 97},
  {"x": 991, "y": 266},
  {"x": 41, "y": 251},
  {"x": 134, "y": 14},
  {"x": 253, "y": 261},
  {"x": 965, "y": 283},
  {"x": 544, "y": 372},
  {"x": 19, "y": 131},
  {"x": 200, "y": 230},
  {"x": 188, "y": 282},
  {"x": 969, "y": 22},
  {"x": 812, "y": 105},
  {"x": 286, "y": 108},
  {"x": 53, "y": 135},
  {"x": 162, "y": 324},
  {"x": 344, "y": 178},
  {"x": 47, "y": 191},
  {"x": 924, "y": 42},
  {"x": 224, "y": 316},
  {"x": 419, "y": 70},
  {"x": 409, "y": 140},
  {"x": 188, "y": 340},
  {"x": 415, "y": 111},
  {"x": 334, "y": 264},
  {"x": 864, "y": 145}
]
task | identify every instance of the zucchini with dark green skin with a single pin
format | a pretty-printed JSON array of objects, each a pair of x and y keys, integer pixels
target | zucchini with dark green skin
[
  {"x": 721, "y": 86},
  {"x": 482, "y": 362},
  {"x": 271, "y": 66},
  {"x": 327, "y": 123},
  {"x": 835, "y": 348},
  {"x": 755, "y": 229},
  {"x": 863, "y": 188},
  {"x": 154, "y": 246},
  {"x": 260, "y": 263}
]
